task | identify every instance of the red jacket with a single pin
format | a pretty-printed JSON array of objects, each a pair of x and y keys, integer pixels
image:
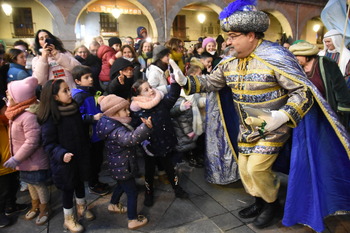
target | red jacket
[{"x": 105, "y": 53}]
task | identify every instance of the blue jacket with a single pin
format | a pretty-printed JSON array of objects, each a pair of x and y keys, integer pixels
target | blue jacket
[
  {"x": 17, "y": 72},
  {"x": 121, "y": 143},
  {"x": 85, "y": 97}
]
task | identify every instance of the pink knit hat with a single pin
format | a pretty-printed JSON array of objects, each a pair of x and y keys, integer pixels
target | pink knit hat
[
  {"x": 208, "y": 40},
  {"x": 111, "y": 104},
  {"x": 21, "y": 90}
]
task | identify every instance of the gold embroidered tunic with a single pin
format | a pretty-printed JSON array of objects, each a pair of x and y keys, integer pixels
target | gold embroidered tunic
[{"x": 254, "y": 84}]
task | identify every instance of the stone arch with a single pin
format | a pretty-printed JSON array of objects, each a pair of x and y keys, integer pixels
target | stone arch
[
  {"x": 283, "y": 21},
  {"x": 145, "y": 6},
  {"x": 55, "y": 13},
  {"x": 215, "y": 5}
]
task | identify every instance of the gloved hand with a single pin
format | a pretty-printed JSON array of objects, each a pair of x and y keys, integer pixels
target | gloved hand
[
  {"x": 179, "y": 76},
  {"x": 11, "y": 163},
  {"x": 274, "y": 121},
  {"x": 185, "y": 105}
]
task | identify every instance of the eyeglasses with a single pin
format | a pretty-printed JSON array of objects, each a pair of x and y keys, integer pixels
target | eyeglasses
[{"x": 233, "y": 36}]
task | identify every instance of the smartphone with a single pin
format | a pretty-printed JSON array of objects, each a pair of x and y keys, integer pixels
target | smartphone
[{"x": 49, "y": 41}]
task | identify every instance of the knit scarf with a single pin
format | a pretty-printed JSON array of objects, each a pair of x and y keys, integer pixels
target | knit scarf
[
  {"x": 177, "y": 57},
  {"x": 69, "y": 109},
  {"x": 13, "y": 111},
  {"x": 141, "y": 102}
]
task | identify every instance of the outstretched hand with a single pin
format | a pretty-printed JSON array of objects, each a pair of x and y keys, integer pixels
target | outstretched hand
[{"x": 147, "y": 122}]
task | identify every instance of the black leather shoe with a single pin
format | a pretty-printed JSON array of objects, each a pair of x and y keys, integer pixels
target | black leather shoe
[
  {"x": 252, "y": 210},
  {"x": 267, "y": 215}
]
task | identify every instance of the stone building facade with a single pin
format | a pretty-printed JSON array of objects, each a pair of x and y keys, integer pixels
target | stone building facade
[{"x": 293, "y": 16}]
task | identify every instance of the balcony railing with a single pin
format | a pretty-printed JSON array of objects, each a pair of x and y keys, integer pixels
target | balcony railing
[{"x": 22, "y": 30}]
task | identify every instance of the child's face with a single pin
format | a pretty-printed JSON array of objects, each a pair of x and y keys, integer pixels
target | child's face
[
  {"x": 147, "y": 90},
  {"x": 64, "y": 96},
  {"x": 10, "y": 100},
  {"x": 116, "y": 47},
  {"x": 127, "y": 53},
  {"x": 146, "y": 47},
  {"x": 210, "y": 47},
  {"x": 128, "y": 72},
  {"x": 21, "y": 59},
  {"x": 82, "y": 52},
  {"x": 124, "y": 112},
  {"x": 166, "y": 59},
  {"x": 85, "y": 81},
  {"x": 207, "y": 61}
]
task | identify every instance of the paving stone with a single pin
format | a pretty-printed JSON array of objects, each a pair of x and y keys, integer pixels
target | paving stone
[
  {"x": 226, "y": 221},
  {"x": 179, "y": 212},
  {"x": 200, "y": 226},
  {"x": 208, "y": 206}
]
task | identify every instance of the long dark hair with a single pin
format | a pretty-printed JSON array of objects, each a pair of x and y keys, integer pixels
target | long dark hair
[
  {"x": 48, "y": 105},
  {"x": 57, "y": 42},
  {"x": 12, "y": 54},
  {"x": 135, "y": 88}
]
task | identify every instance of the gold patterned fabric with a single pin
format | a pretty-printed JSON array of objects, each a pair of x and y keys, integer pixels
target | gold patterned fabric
[{"x": 255, "y": 85}]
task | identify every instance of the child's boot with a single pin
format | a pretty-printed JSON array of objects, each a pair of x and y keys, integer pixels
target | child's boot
[
  {"x": 84, "y": 212},
  {"x": 117, "y": 208},
  {"x": 137, "y": 223},
  {"x": 71, "y": 223},
  {"x": 44, "y": 214},
  {"x": 34, "y": 211}
]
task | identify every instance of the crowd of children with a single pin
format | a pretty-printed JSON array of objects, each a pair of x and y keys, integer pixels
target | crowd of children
[{"x": 62, "y": 139}]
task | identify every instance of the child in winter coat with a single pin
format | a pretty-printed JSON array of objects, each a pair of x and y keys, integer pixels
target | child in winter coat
[
  {"x": 66, "y": 140},
  {"x": 122, "y": 78},
  {"x": 148, "y": 101},
  {"x": 17, "y": 71},
  {"x": 85, "y": 95},
  {"x": 27, "y": 154},
  {"x": 121, "y": 141}
]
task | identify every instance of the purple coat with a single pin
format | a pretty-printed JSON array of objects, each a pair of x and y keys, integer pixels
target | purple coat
[
  {"x": 120, "y": 143},
  {"x": 25, "y": 143}
]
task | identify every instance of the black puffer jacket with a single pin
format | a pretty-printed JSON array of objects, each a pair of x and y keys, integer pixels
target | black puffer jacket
[
  {"x": 182, "y": 121},
  {"x": 163, "y": 138}
]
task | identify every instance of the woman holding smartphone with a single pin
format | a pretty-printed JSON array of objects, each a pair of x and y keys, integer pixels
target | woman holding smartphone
[{"x": 53, "y": 60}]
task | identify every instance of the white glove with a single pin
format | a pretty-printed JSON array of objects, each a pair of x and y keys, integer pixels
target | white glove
[
  {"x": 274, "y": 121},
  {"x": 179, "y": 76}
]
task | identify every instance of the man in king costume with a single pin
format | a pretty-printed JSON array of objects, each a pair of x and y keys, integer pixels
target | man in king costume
[{"x": 274, "y": 102}]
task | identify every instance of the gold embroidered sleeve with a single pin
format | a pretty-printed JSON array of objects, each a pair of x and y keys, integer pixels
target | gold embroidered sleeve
[
  {"x": 205, "y": 83},
  {"x": 299, "y": 100}
]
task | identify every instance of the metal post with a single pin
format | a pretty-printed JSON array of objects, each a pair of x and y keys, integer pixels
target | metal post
[{"x": 165, "y": 20}]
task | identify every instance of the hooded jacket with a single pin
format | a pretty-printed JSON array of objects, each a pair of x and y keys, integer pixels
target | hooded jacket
[{"x": 105, "y": 53}]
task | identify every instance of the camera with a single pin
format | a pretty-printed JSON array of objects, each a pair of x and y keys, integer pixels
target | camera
[{"x": 49, "y": 41}]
